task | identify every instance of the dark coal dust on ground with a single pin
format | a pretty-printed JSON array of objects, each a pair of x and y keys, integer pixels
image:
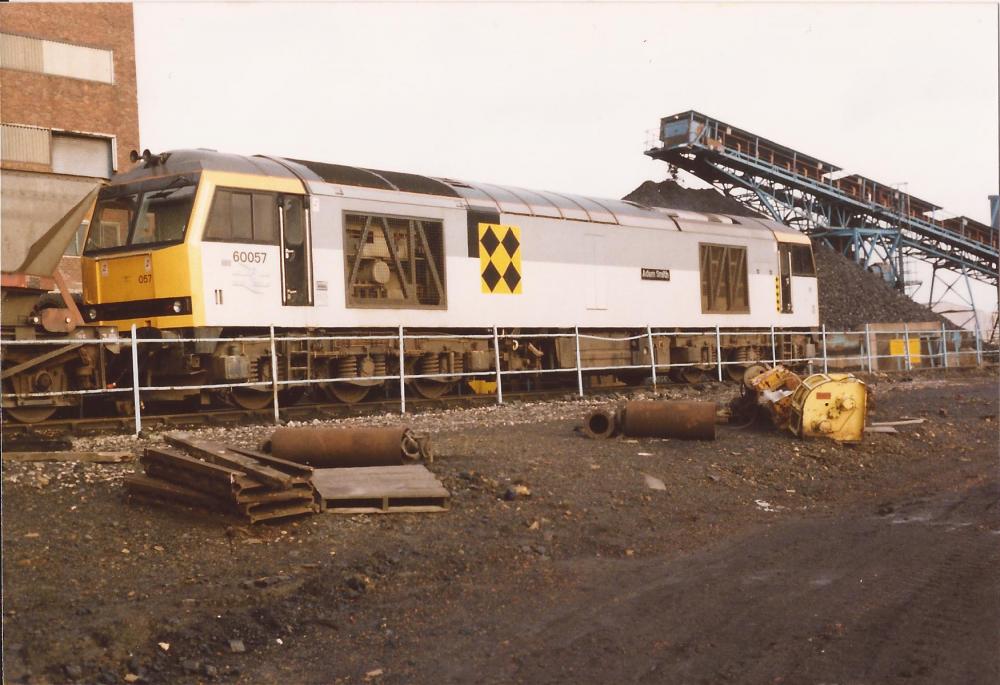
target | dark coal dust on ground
[{"x": 765, "y": 560}]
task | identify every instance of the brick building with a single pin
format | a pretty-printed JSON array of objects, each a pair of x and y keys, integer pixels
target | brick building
[{"x": 68, "y": 113}]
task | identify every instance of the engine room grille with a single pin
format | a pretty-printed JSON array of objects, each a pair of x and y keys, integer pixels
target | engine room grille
[
  {"x": 723, "y": 278},
  {"x": 394, "y": 262}
]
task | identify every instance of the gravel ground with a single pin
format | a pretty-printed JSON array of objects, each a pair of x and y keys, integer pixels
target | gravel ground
[{"x": 535, "y": 588}]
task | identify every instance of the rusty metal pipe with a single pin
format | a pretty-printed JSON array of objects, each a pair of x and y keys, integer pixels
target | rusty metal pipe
[
  {"x": 669, "y": 419},
  {"x": 601, "y": 424},
  {"x": 344, "y": 447}
]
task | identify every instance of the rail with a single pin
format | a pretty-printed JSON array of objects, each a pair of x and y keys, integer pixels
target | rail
[{"x": 939, "y": 348}]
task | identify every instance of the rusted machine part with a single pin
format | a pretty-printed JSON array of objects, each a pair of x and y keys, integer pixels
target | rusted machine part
[
  {"x": 601, "y": 424},
  {"x": 774, "y": 388},
  {"x": 831, "y": 406},
  {"x": 416, "y": 447},
  {"x": 346, "y": 447},
  {"x": 669, "y": 419}
]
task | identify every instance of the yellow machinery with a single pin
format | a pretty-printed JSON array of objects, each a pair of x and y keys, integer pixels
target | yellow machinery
[
  {"x": 821, "y": 405},
  {"x": 830, "y": 405}
]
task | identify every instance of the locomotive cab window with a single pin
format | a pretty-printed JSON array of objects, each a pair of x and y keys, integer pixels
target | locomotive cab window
[
  {"x": 723, "y": 279},
  {"x": 163, "y": 216},
  {"x": 148, "y": 217},
  {"x": 394, "y": 261},
  {"x": 242, "y": 217},
  {"x": 802, "y": 261}
]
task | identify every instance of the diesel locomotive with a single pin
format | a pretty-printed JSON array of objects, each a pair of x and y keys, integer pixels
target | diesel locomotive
[{"x": 196, "y": 245}]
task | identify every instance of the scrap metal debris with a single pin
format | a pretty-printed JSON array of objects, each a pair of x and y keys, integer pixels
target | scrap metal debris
[
  {"x": 901, "y": 422},
  {"x": 364, "y": 470},
  {"x": 602, "y": 423},
  {"x": 830, "y": 405},
  {"x": 89, "y": 457},
  {"x": 221, "y": 478},
  {"x": 349, "y": 447},
  {"x": 686, "y": 420}
]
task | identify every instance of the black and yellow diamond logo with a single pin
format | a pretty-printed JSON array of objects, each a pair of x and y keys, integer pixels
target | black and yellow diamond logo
[{"x": 500, "y": 259}]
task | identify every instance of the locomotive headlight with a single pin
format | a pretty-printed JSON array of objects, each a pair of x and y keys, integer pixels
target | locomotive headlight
[
  {"x": 92, "y": 314},
  {"x": 177, "y": 306}
]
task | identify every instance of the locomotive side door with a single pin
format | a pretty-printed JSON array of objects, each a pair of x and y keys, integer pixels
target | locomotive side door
[
  {"x": 296, "y": 251},
  {"x": 785, "y": 277}
]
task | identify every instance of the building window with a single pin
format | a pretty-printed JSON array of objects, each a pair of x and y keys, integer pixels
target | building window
[
  {"x": 74, "y": 154},
  {"x": 393, "y": 262},
  {"x": 75, "y": 248},
  {"x": 242, "y": 217},
  {"x": 56, "y": 59},
  {"x": 723, "y": 279},
  {"x": 79, "y": 155}
]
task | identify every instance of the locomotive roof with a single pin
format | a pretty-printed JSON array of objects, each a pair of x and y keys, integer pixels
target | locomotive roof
[{"x": 505, "y": 199}]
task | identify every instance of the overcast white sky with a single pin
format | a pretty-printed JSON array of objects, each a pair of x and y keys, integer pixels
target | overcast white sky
[{"x": 561, "y": 96}]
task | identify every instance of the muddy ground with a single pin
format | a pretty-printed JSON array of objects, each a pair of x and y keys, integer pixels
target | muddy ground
[{"x": 765, "y": 560}]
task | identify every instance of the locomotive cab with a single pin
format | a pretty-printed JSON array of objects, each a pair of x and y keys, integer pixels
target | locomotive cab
[
  {"x": 162, "y": 231},
  {"x": 135, "y": 261}
]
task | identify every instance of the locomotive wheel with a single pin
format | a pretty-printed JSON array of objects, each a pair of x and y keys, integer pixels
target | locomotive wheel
[
  {"x": 27, "y": 413},
  {"x": 735, "y": 372},
  {"x": 250, "y": 399},
  {"x": 291, "y": 395},
  {"x": 348, "y": 393},
  {"x": 431, "y": 389},
  {"x": 30, "y": 414},
  {"x": 687, "y": 374},
  {"x": 634, "y": 377}
]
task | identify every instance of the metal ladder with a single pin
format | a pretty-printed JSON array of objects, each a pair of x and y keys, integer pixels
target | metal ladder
[{"x": 297, "y": 351}]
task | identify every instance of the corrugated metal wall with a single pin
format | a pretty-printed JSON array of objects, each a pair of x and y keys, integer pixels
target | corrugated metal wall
[
  {"x": 24, "y": 144},
  {"x": 18, "y": 52}
]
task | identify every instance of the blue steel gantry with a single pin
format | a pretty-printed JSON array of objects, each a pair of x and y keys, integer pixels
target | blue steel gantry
[{"x": 876, "y": 224}]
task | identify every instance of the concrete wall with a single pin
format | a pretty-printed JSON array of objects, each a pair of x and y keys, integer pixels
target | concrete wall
[{"x": 31, "y": 204}]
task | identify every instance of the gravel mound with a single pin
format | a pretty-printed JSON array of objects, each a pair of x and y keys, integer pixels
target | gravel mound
[
  {"x": 849, "y": 296},
  {"x": 670, "y": 194}
]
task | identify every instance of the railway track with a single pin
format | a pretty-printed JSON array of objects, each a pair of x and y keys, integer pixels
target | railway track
[{"x": 223, "y": 416}]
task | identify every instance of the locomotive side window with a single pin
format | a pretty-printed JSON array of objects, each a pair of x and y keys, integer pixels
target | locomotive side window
[
  {"x": 264, "y": 218},
  {"x": 723, "y": 279},
  {"x": 393, "y": 261},
  {"x": 242, "y": 217},
  {"x": 802, "y": 261}
]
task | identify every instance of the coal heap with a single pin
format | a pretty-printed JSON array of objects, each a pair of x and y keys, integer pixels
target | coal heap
[
  {"x": 849, "y": 296},
  {"x": 670, "y": 194}
]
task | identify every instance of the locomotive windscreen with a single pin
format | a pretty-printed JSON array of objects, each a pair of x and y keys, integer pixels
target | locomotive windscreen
[{"x": 146, "y": 216}]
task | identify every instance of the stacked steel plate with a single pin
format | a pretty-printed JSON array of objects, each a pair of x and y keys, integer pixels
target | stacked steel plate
[{"x": 246, "y": 483}]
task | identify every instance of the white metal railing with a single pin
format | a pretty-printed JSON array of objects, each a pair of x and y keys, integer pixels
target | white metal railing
[{"x": 943, "y": 347}]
